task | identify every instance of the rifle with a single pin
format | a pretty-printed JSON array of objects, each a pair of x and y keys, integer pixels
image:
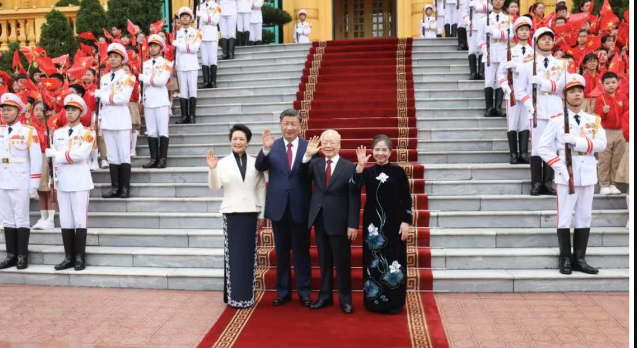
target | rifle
[
  {"x": 567, "y": 147},
  {"x": 435, "y": 4},
  {"x": 97, "y": 103},
  {"x": 174, "y": 39},
  {"x": 195, "y": 8},
  {"x": 534, "y": 86},
  {"x": 510, "y": 73},
  {"x": 50, "y": 143},
  {"x": 457, "y": 4},
  {"x": 471, "y": 21},
  {"x": 423, "y": 22},
  {"x": 488, "y": 41}
]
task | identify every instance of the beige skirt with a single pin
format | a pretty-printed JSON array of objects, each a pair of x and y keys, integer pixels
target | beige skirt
[
  {"x": 134, "y": 113},
  {"x": 44, "y": 179},
  {"x": 623, "y": 171}
]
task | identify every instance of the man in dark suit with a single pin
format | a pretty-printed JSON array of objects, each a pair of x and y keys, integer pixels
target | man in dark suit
[
  {"x": 334, "y": 212},
  {"x": 287, "y": 206}
]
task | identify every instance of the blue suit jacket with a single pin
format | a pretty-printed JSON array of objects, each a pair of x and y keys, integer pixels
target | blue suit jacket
[{"x": 285, "y": 186}]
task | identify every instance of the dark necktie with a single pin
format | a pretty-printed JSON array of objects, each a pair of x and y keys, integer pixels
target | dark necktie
[
  {"x": 328, "y": 173},
  {"x": 497, "y": 18},
  {"x": 70, "y": 131},
  {"x": 577, "y": 117},
  {"x": 186, "y": 31},
  {"x": 10, "y": 130},
  {"x": 523, "y": 50},
  {"x": 546, "y": 63},
  {"x": 290, "y": 155},
  {"x": 153, "y": 62},
  {"x": 112, "y": 76}
]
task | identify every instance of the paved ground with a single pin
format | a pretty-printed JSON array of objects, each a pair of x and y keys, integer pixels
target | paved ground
[
  {"x": 538, "y": 320},
  {"x": 38, "y": 316}
]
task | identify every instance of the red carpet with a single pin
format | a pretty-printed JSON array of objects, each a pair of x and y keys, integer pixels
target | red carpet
[{"x": 361, "y": 88}]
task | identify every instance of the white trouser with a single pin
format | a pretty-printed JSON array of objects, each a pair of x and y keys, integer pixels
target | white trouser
[
  {"x": 243, "y": 22},
  {"x": 578, "y": 206},
  {"x": 209, "y": 52},
  {"x": 256, "y": 32},
  {"x": 228, "y": 27},
  {"x": 490, "y": 75},
  {"x": 14, "y": 208},
  {"x": 517, "y": 117},
  {"x": 440, "y": 22},
  {"x": 473, "y": 42},
  {"x": 156, "y": 121},
  {"x": 536, "y": 134},
  {"x": 451, "y": 14},
  {"x": 73, "y": 208},
  {"x": 187, "y": 83},
  {"x": 117, "y": 145}
]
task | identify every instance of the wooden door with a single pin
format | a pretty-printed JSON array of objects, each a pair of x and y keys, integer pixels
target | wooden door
[{"x": 357, "y": 19}]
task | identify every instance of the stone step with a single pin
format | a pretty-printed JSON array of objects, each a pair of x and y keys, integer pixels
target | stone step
[
  {"x": 444, "y": 56},
  {"x": 221, "y": 149},
  {"x": 420, "y": 69},
  {"x": 269, "y": 98},
  {"x": 221, "y": 127},
  {"x": 463, "y": 145},
  {"x": 260, "y": 75},
  {"x": 276, "y": 47},
  {"x": 158, "y": 190},
  {"x": 450, "y": 112},
  {"x": 282, "y": 59},
  {"x": 432, "y": 59},
  {"x": 450, "y": 200},
  {"x": 427, "y": 157},
  {"x": 476, "y": 171},
  {"x": 447, "y": 47},
  {"x": 150, "y": 204},
  {"x": 118, "y": 277},
  {"x": 216, "y": 109},
  {"x": 147, "y": 220},
  {"x": 265, "y": 67},
  {"x": 428, "y": 92},
  {"x": 422, "y": 42},
  {"x": 205, "y": 138},
  {"x": 252, "y": 82},
  {"x": 449, "y": 102},
  {"x": 272, "y": 116},
  {"x": 273, "y": 54},
  {"x": 454, "y": 76},
  {"x": 522, "y": 258},
  {"x": 519, "y": 219},
  {"x": 444, "y": 85},
  {"x": 461, "y": 122},
  {"x": 529, "y": 280},
  {"x": 258, "y": 89},
  {"x": 484, "y": 187}
]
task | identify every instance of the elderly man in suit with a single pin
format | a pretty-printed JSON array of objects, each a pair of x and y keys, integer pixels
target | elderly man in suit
[
  {"x": 334, "y": 212},
  {"x": 287, "y": 206}
]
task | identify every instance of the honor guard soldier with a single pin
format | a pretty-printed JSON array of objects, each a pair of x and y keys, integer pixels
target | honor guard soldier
[
  {"x": 208, "y": 15},
  {"x": 585, "y": 137},
  {"x": 302, "y": 29},
  {"x": 517, "y": 115},
  {"x": 497, "y": 32},
  {"x": 451, "y": 18},
  {"x": 187, "y": 46},
  {"x": 428, "y": 23},
  {"x": 20, "y": 172},
  {"x": 463, "y": 44},
  {"x": 157, "y": 72},
  {"x": 116, "y": 88},
  {"x": 244, "y": 10},
  {"x": 228, "y": 27},
  {"x": 474, "y": 19},
  {"x": 440, "y": 21},
  {"x": 550, "y": 71},
  {"x": 256, "y": 23},
  {"x": 71, "y": 153}
]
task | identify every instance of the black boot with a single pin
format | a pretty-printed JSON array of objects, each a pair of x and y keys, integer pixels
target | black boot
[
  {"x": 163, "y": 152},
  {"x": 447, "y": 30},
  {"x": 115, "y": 184},
  {"x": 205, "y": 71},
  {"x": 125, "y": 172},
  {"x": 23, "y": 248},
  {"x": 213, "y": 76},
  {"x": 480, "y": 68},
  {"x": 488, "y": 99},
  {"x": 499, "y": 98},
  {"x": 580, "y": 242},
  {"x": 548, "y": 173},
  {"x": 460, "y": 39},
  {"x": 68, "y": 238},
  {"x": 80, "y": 249},
  {"x": 193, "y": 108},
  {"x": 536, "y": 175},
  {"x": 523, "y": 138},
  {"x": 564, "y": 241},
  {"x": 246, "y": 38},
  {"x": 473, "y": 67},
  {"x": 231, "y": 45},
  {"x": 512, "y": 136},
  {"x": 454, "y": 30},
  {"x": 224, "y": 49},
  {"x": 239, "y": 36},
  {"x": 11, "y": 241},
  {"x": 185, "y": 116},
  {"x": 153, "y": 147}
]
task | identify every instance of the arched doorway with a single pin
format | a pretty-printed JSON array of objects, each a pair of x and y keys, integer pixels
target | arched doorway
[{"x": 358, "y": 19}]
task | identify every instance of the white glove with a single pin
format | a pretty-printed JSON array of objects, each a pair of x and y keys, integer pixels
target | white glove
[
  {"x": 563, "y": 172},
  {"x": 33, "y": 191},
  {"x": 513, "y": 65},
  {"x": 484, "y": 52},
  {"x": 50, "y": 153},
  {"x": 529, "y": 106},
  {"x": 506, "y": 89},
  {"x": 488, "y": 30},
  {"x": 142, "y": 78},
  {"x": 568, "y": 139},
  {"x": 97, "y": 94},
  {"x": 536, "y": 80},
  {"x": 472, "y": 4},
  {"x": 467, "y": 21}
]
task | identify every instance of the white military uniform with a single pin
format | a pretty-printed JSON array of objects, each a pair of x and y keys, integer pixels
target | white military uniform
[
  {"x": 451, "y": 13},
  {"x": 302, "y": 32},
  {"x": 157, "y": 72},
  {"x": 116, "y": 88},
  {"x": 591, "y": 138},
  {"x": 73, "y": 148},
  {"x": 480, "y": 9},
  {"x": 187, "y": 44},
  {"x": 256, "y": 21},
  {"x": 517, "y": 115},
  {"x": 208, "y": 15},
  {"x": 499, "y": 24},
  {"x": 228, "y": 21},
  {"x": 428, "y": 27},
  {"x": 440, "y": 21},
  {"x": 20, "y": 172},
  {"x": 244, "y": 10},
  {"x": 549, "y": 94}
]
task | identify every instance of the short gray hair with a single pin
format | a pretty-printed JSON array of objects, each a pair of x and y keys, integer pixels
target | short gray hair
[
  {"x": 330, "y": 132},
  {"x": 291, "y": 113}
]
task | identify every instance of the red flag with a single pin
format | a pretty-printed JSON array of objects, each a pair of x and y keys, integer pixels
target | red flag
[
  {"x": 627, "y": 16},
  {"x": 605, "y": 9},
  {"x": 594, "y": 42},
  {"x": 87, "y": 35},
  {"x": 28, "y": 84},
  {"x": 616, "y": 65},
  {"x": 597, "y": 91},
  {"x": 594, "y": 21},
  {"x": 577, "y": 20},
  {"x": 88, "y": 50},
  {"x": 108, "y": 35},
  {"x": 47, "y": 66},
  {"x": 103, "y": 51},
  {"x": 50, "y": 84},
  {"x": 80, "y": 66},
  {"x": 130, "y": 27},
  {"x": 607, "y": 22},
  {"x": 16, "y": 60},
  {"x": 572, "y": 68},
  {"x": 62, "y": 61},
  {"x": 159, "y": 25},
  {"x": 623, "y": 34},
  {"x": 567, "y": 49}
]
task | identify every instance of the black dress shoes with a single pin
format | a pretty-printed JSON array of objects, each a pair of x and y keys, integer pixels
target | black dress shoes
[
  {"x": 306, "y": 301},
  {"x": 322, "y": 303},
  {"x": 347, "y": 308},
  {"x": 279, "y": 301}
]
